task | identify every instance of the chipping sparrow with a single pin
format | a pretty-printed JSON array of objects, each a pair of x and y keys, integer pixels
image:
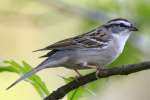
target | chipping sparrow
[{"x": 93, "y": 49}]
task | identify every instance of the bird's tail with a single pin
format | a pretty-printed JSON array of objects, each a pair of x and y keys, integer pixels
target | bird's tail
[
  {"x": 25, "y": 76},
  {"x": 47, "y": 63}
]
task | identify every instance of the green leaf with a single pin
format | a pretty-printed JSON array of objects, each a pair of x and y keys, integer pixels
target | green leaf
[
  {"x": 6, "y": 69},
  {"x": 35, "y": 80},
  {"x": 75, "y": 94}
]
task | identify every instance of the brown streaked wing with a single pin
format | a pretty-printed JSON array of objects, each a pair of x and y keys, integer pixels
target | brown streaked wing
[
  {"x": 64, "y": 44},
  {"x": 61, "y": 44},
  {"x": 81, "y": 41}
]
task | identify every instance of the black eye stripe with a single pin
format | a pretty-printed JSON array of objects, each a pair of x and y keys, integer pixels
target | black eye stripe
[{"x": 121, "y": 25}]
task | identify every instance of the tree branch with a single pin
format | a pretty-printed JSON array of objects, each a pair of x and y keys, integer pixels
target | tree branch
[{"x": 120, "y": 70}]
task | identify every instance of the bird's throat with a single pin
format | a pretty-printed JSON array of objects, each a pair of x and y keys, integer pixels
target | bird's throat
[{"x": 120, "y": 41}]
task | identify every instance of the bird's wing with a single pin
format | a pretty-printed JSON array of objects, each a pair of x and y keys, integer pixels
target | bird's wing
[{"x": 87, "y": 40}]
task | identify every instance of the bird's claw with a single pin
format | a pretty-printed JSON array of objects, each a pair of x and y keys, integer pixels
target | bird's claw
[{"x": 99, "y": 71}]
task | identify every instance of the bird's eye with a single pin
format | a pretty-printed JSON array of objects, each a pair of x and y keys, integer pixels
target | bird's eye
[
  {"x": 116, "y": 29},
  {"x": 123, "y": 25}
]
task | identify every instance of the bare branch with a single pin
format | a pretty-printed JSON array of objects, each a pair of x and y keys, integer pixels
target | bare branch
[{"x": 120, "y": 70}]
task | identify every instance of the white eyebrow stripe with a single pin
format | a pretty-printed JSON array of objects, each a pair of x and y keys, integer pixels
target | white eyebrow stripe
[{"x": 118, "y": 22}]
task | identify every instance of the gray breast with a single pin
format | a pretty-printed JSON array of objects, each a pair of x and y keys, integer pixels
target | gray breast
[
  {"x": 95, "y": 56},
  {"x": 91, "y": 56}
]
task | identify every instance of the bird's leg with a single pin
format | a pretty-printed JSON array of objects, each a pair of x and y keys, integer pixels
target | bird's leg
[
  {"x": 83, "y": 65},
  {"x": 84, "y": 86},
  {"x": 79, "y": 75},
  {"x": 99, "y": 69}
]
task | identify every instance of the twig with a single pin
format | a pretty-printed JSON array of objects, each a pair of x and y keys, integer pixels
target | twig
[{"x": 120, "y": 70}]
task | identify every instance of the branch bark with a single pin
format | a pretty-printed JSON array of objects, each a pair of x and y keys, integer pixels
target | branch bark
[{"x": 119, "y": 70}]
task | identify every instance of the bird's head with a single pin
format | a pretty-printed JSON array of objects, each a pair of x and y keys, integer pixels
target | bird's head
[{"x": 120, "y": 26}]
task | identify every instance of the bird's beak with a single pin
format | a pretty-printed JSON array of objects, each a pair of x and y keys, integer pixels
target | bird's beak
[{"x": 133, "y": 28}]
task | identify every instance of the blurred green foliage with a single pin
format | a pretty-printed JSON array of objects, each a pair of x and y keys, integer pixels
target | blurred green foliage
[
  {"x": 45, "y": 13},
  {"x": 75, "y": 94},
  {"x": 38, "y": 84}
]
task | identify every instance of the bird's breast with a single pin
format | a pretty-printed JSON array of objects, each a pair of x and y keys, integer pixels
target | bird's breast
[{"x": 119, "y": 42}]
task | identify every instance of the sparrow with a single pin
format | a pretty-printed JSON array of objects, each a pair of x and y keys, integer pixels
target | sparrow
[{"x": 94, "y": 49}]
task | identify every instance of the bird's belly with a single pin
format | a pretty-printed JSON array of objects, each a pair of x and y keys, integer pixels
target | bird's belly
[
  {"x": 99, "y": 58},
  {"x": 96, "y": 57}
]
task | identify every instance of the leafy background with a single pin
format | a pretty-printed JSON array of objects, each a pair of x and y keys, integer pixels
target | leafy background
[{"x": 27, "y": 25}]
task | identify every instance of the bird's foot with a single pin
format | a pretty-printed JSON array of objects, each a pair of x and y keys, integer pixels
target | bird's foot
[
  {"x": 78, "y": 73},
  {"x": 99, "y": 71}
]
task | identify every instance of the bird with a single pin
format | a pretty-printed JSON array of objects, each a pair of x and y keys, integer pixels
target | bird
[{"x": 91, "y": 50}]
